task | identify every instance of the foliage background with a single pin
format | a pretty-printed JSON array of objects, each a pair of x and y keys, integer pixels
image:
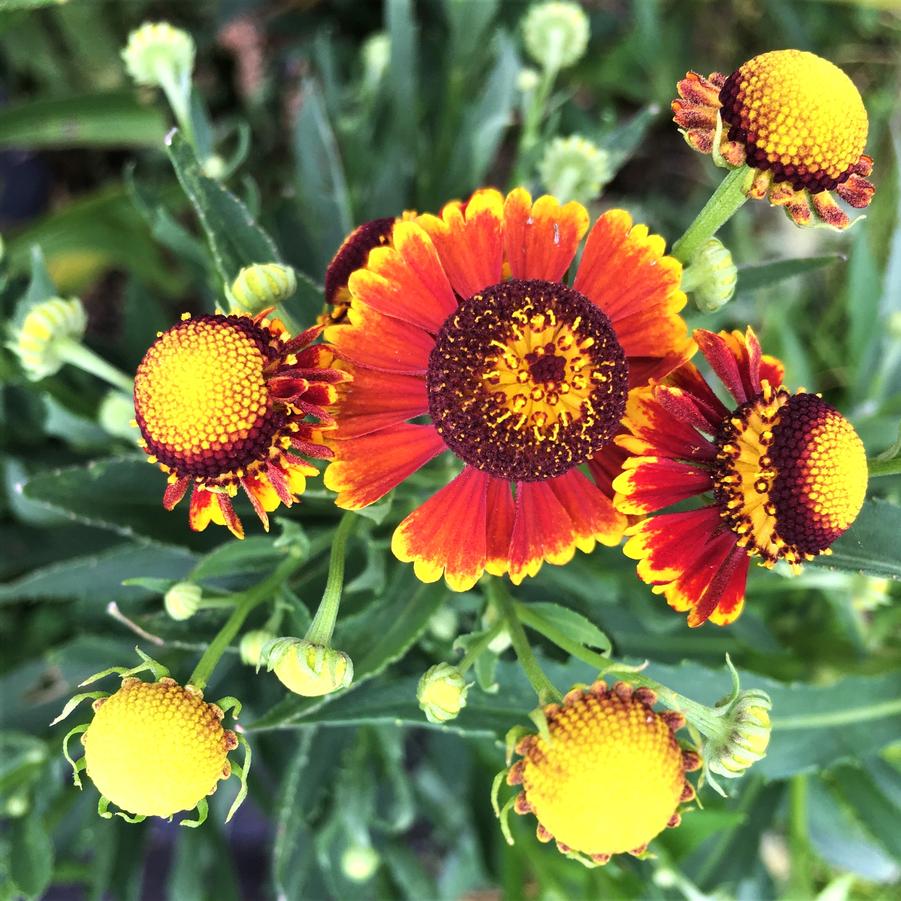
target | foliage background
[{"x": 320, "y": 136}]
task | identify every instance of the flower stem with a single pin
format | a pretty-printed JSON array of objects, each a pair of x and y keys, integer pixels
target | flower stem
[
  {"x": 323, "y": 625},
  {"x": 469, "y": 658},
  {"x": 246, "y": 601},
  {"x": 85, "y": 359},
  {"x": 544, "y": 688},
  {"x": 879, "y": 467},
  {"x": 727, "y": 198}
]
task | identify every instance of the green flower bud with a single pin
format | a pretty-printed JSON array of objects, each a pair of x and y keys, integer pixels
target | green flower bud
[
  {"x": 308, "y": 669},
  {"x": 16, "y": 806},
  {"x": 359, "y": 863},
  {"x": 711, "y": 277},
  {"x": 556, "y": 34},
  {"x": 574, "y": 168},
  {"x": 214, "y": 167},
  {"x": 376, "y": 53},
  {"x": 182, "y": 600},
  {"x": 501, "y": 641},
  {"x": 262, "y": 285},
  {"x": 869, "y": 593},
  {"x": 41, "y": 340},
  {"x": 443, "y": 623},
  {"x": 442, "y": 693},
  {"x": 116, "y": 416},
  {"x": 527, "y": 80},
  {"x": 157, "y": 53},
  {"x": 894, "y": 325},
  {"x": 252, "y": 645},
  {"x": 745, "y": 736}
]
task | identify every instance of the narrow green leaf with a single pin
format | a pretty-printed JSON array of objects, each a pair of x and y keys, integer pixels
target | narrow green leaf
[
  {"x": 91, "y": 120},
  {"x": 871, "y": 545},
  {"x": 236, "y": 558},
  {"x": 873, "y": 809},
  {"x": 751, "y": 278},
  {"x": 573, "y": 625},
  {"x": 235, "y": 239},
  {"x": 31, "y": 854}
]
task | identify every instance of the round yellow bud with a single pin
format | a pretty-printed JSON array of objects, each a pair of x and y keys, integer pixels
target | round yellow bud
[
  {"x": 308, "y": 669},
  {"x": 262, "y": 285},
  {"x": 40, "y": 342},
  {"x": 442, "y": 693},
  {"x": 156, "y": 748},
  {"x": 182, "y": 600},
  {"x": 157, "y": 52},
  {"x": 556, "y": 34},
  {"x": 745, "y": 737}
]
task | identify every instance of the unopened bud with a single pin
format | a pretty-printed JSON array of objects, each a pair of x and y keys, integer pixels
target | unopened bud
[
  {"x": 746, "y": 734},
  {"x": 556, "y": 34},
  {"x": 263, "y": 285},
  {"x": 527, "y": 80},
  {"x": 359, "y": 863},
  {"x": 574, "y": 168},
  {"x": 712, "y": 276},
  {"x": 157, "y": 52},
  {"x": 376, "y": 54},
  {"x": 182, "y": 600},
  {"x": 251, "y": 646},
  {"x": 116, "y": 416},
  {"x": 501, "y": 641},
  {"x": 308, "y": 669},
  {"x": 40, "y": 341},
  {"x": 16, "y": 806},
  {"x": 442, "y": 693}
]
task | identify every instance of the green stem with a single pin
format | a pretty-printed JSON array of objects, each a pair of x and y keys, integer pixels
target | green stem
[
  {"x": 727, "y": 198},
  {"x": 323, "y": 625},
  {"x": 879, "y": 467},
  {"x": 473, "y": 653},
  {"x": 249, "y": 599},
  {"x": 178, "y": 93},
  {"x": 544, "y": 688},
  {"x": 528, "y": 137},
  {"x": 801, "y": 884},
  {"x": 85, "y": 359}
]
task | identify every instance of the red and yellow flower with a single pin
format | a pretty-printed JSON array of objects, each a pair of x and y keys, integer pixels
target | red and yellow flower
[
  {"x": 787, "y": 472},
  {"x": 795, "y": 118},
  {"x": 465, "y": 318},
  {"x": 224, "y": 402}
]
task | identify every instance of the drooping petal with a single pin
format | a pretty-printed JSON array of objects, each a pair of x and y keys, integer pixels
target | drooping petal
[
  {"x": 369, "y": 466},
  {"x": 174, "y": 492},
  {"x": 592, "y": 513},
  {"x": 653, "y": 483},
  {"x": 375, "y": 400},
  {"x": 405, "y": 280},
  {"x": 469, "y": 240},
  {"x": 228, "y": 516},
  {"x": 541, "y": 238},
  {"x": 722, "y": 360},
  {"x": 447, "y": 534},
  {"x": 201, "y": 510},
  {"x": 542, "y": 531},
  {"x": 262, "y": 496},
  {"x": 501, "y": 513}
]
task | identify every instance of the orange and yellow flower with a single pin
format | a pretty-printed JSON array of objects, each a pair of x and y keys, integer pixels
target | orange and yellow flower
[
  {"x": 794, "y": 117},
  {"x": 465, "y": 318},
  {"x": 787, "y": 472},
  {"x": 224, "y": 402}
]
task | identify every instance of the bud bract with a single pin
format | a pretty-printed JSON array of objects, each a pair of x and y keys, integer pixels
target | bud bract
[
  {"x": 40, "y": 341},
  {"x": 157, "y": 52},
  {"x": 556, "y": 34},
  {"x": 262, "y": 285},
  {"x": 252, "y": 644},
  {"x": 712, "y": 276},
  {"x": 182, "y": 600},
  {"x": 745, "y": 736},
  {"x": 442, "y": 693},
  {"x": 308, "y": 669}
]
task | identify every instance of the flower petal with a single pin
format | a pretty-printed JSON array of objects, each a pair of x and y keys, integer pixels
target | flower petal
[
  {"x": 541, "y": 239},
  {"x": 501, "y": 513},
  {"x": 469, "y": 240},
  {"x": 542, "y": 530},
  {"x": 447, "y": 534},
  {"x": 375, "y": 400},
  {"x": 591, "y": 511},
  {"x": 653, "y": 483},
  {"x": 368, "y": 467}
]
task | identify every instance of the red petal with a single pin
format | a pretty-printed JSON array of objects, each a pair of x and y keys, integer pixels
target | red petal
[
  {"x": 591, "y": 511},
  {"x": 375, "y": 400},
  {"x": 174, "y": 492},
  {"x": 501, "y": 512},
  {"x": 652, "y": 483},
  {"x": 542, "y": 530}
]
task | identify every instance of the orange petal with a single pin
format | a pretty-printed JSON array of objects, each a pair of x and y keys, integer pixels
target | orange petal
[
  {"x": 375, "y": 400},
  {"x": 200, "y": 511},
  {"x": 447, "y": 534},
  {"x": 469, "y": 240},
  {"x": 542, "y": 530},
  {"x": 405, "y": 280},
  {"x": 501, "y": 513},
  {"x": 653, "y": 425},
  {"x": 652, "y": 483},
  {"x": 592, "y": 513},
  {"x": 541, "y": 239},
  {"x": 368, "y": 467}
]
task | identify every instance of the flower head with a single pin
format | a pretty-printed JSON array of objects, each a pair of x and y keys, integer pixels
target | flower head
[
  {"x": 442, "y": 693},
  {"x": 793, "y": 116},
  {"x": 157, "y": 51},
  {"x": 40, "y": 340},
  {"x": 182, "y": 600},
  {"x": 466, "y": 318},
  {"x": 155, "y": 748},
  {"x": 308, "y": 669},
  {"x": 556, "y": 34},
  {"x": 787, "y": 473},
  {"x": 608, "y": 777},
  {"x": 574, "y": 168},
  {"x": 261, "y": 286},
  {"x": 224, "y": 402}
]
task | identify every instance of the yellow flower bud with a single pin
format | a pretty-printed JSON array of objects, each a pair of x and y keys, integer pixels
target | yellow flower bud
[
  {"x": 745, "y": 737},
  {"x": 262, "y": 285},
  {"x": 556, "y": 34},
  {"x": 252, "y": 644},
  {"x": 711, "y": 277},
  {"x": 182, "y": 600},
  {"x": 442, "y": 693},
  {"x": 41, "y": 340},
  {"x": 157, "y": 52},
  {"x": 308, "y": 669}
]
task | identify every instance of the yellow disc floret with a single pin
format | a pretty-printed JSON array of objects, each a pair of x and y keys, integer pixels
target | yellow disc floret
[
  {"x": 156, "y": 748},
  {"x": 798, "y": 115},
  {"x": 201, "y": 397},
  {"x": 609, "y": 778}
]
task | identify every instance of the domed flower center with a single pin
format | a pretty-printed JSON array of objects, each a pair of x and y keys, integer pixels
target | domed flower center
[
  {"x": 201, "y": 399},
  {"x": 527, "y": 380},
  {"x": 792, "y": 475},
  {"x": 798, "y": 115}
]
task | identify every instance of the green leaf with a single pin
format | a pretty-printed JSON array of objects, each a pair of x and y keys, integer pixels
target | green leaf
[
  {"x": 235, "y": 239},
  {"x": 573, "y": 625},
  {"x": 873, "y": 809},
  {"x": 92, "y": 120},
  {"x": 99, "y": 577},
  {"x": 237, "y": 558},
  {"x": 10, "y": 5},
  {"x": 751, "y": 278},
  {"x": 31, "y": 854},
  {"x": 871, "y": 544}
]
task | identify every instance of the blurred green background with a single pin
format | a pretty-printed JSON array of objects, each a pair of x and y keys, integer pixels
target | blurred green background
[{"x": 318, "y": 116}]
